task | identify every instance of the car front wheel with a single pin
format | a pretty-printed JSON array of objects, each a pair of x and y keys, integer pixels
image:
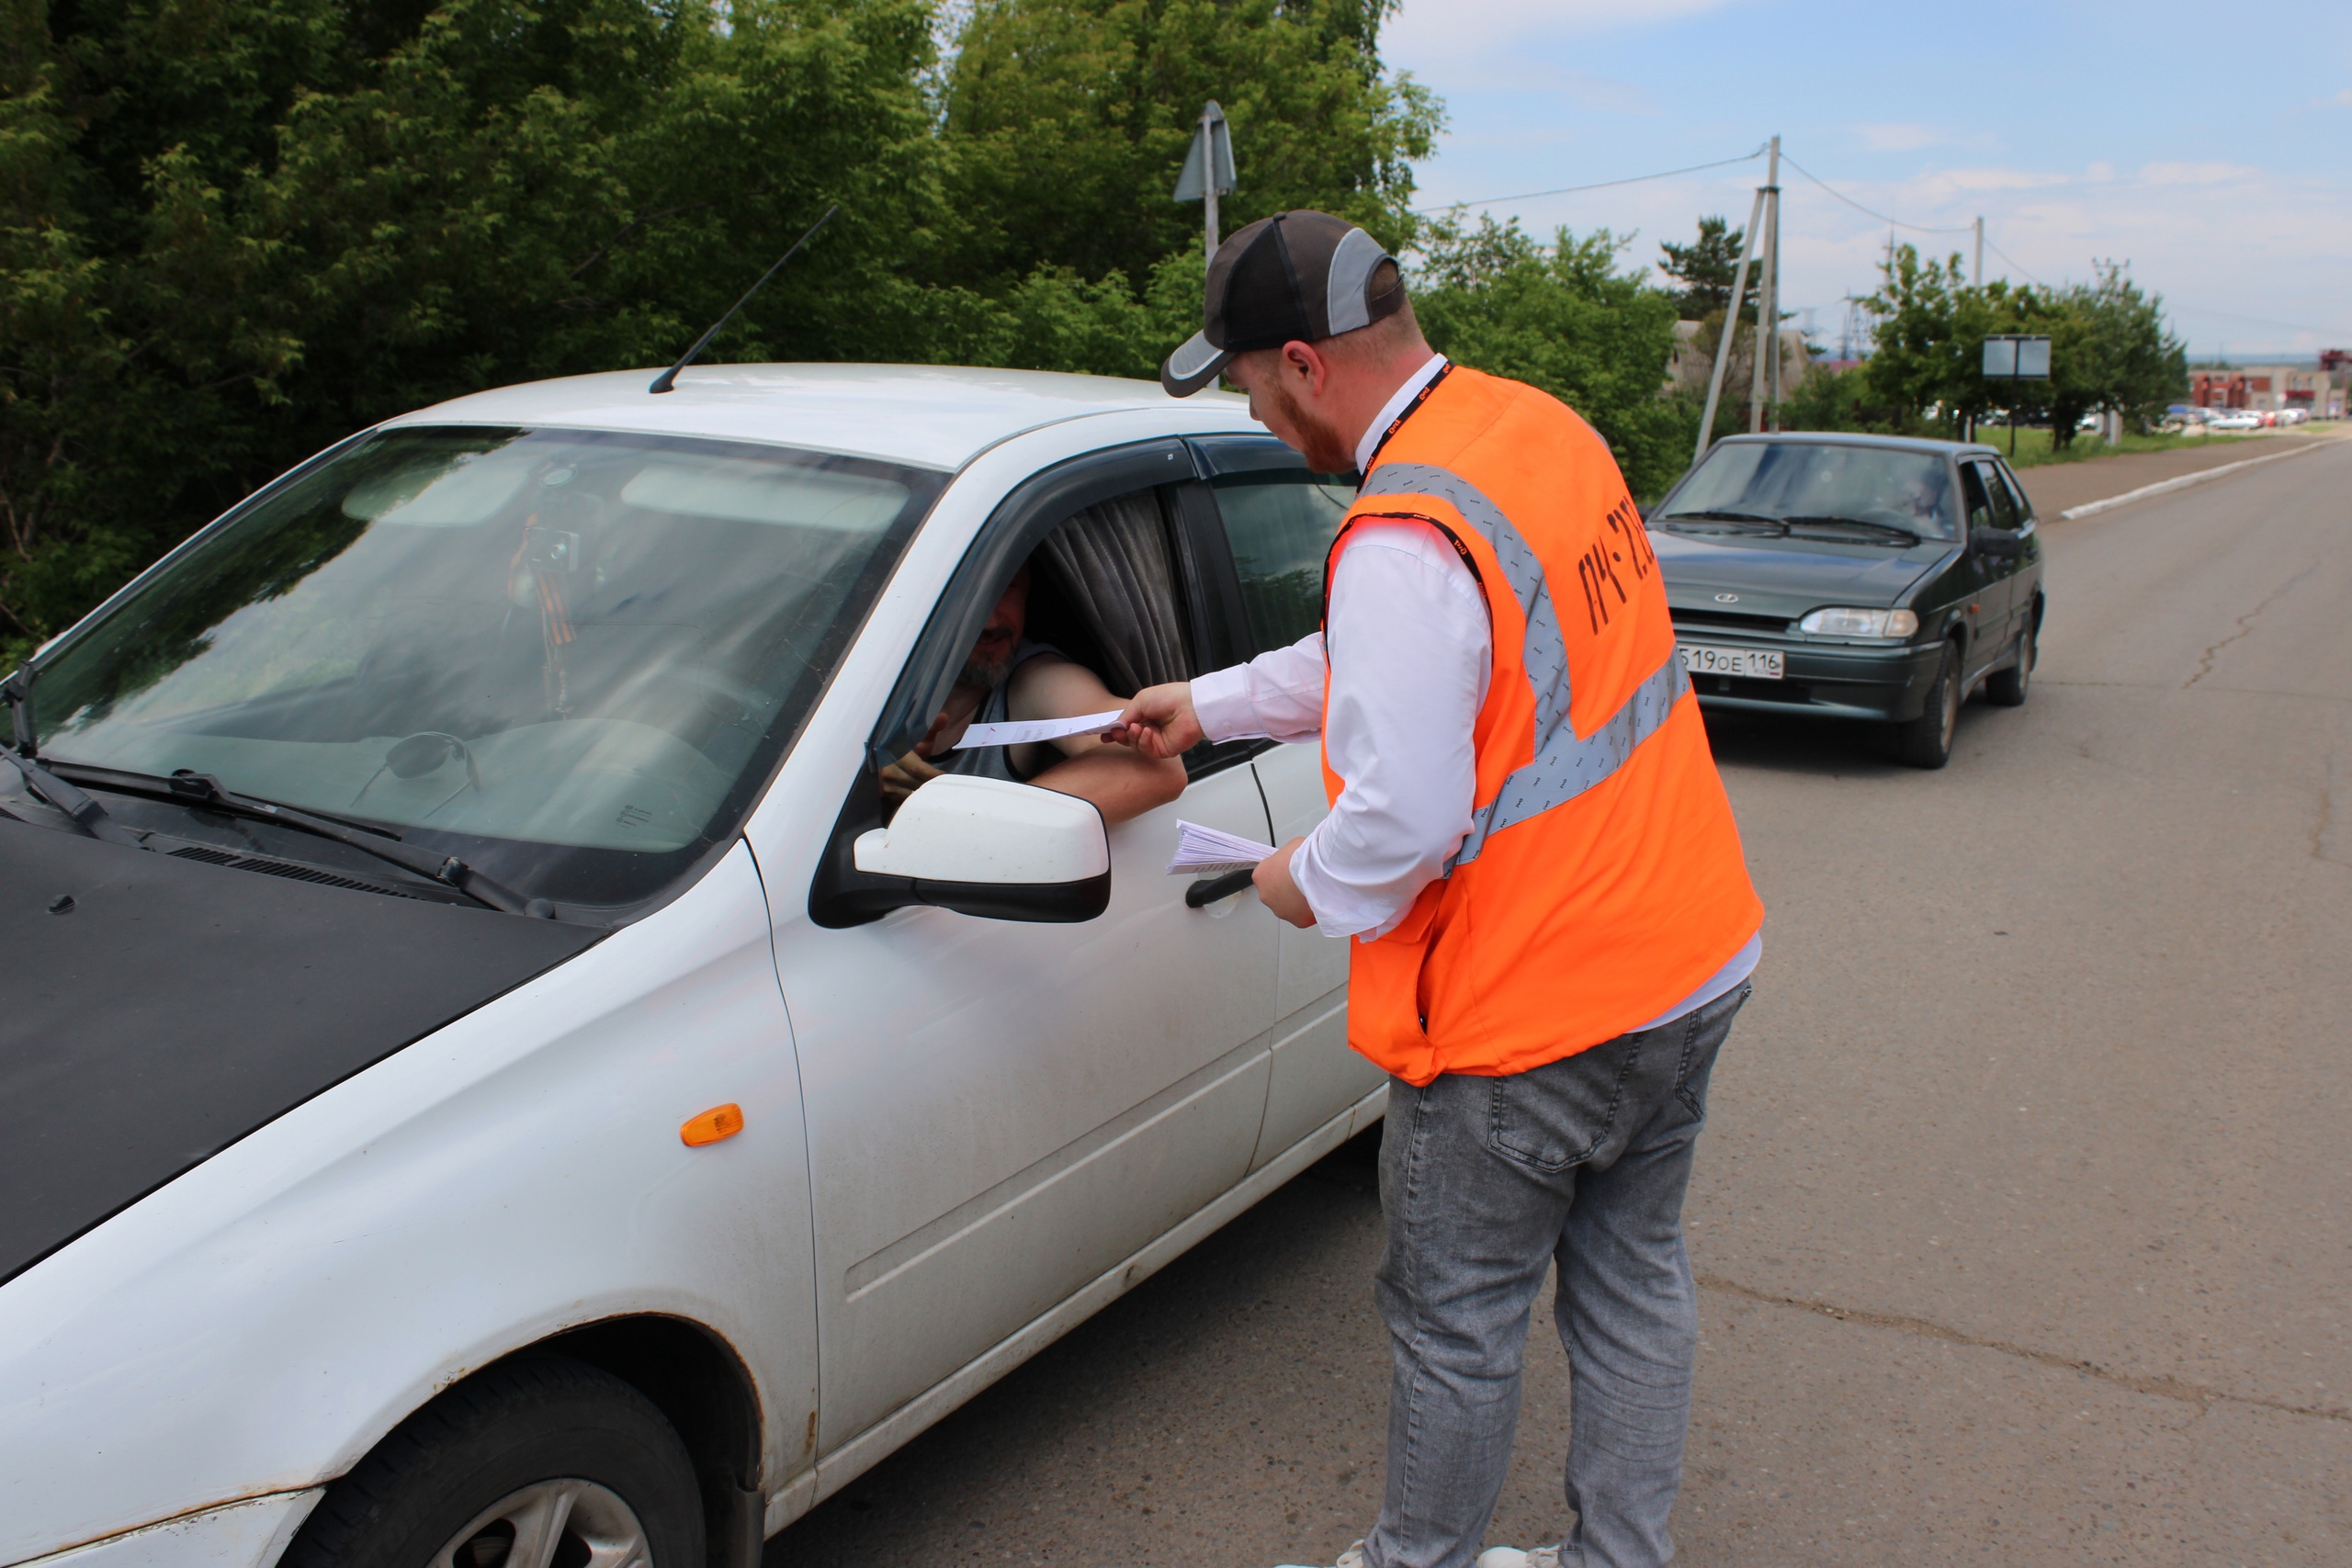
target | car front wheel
[
  {"x": 1925, "y": 741},
  {"x": 540, "y": 1463}
]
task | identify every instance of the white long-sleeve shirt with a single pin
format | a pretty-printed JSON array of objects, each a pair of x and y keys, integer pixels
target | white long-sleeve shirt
[{"x": 1409, "y": 653}]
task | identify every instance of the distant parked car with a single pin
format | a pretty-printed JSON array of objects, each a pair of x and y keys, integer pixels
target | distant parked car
[
  {"x": 2293, "y": 416},
  {"x": 1857, "y": 577},
  {"x": 2236, "y": 419}
]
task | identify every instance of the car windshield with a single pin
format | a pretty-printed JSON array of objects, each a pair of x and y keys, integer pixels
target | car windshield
[
  {"x": 1770, "y": 481},
  {"x": 570, "y": 658}
]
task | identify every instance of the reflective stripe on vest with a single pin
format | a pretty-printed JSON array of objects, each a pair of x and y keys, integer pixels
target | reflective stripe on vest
[{"x": 1565, "y": 765}]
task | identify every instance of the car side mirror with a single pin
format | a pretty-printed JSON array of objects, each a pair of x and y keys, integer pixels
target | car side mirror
[
  {"x": 984, "y": 847},
  {"x": 1992, "y": 542}
]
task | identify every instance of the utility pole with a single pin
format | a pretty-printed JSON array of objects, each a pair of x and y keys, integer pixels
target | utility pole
[
  {"x": 1766, "y": 384},
  {"x": 1979, "y": 279},
  {"x": 1731, "y": 330}
]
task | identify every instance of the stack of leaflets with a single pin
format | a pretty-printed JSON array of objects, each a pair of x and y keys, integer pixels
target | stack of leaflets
[{"x": 1200, "y": 848}]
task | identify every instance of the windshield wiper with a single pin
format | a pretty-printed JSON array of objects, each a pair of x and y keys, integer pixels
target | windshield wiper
[
  {"x": 86, "y": 814},
  {"x": 1750, "y": 522},
  {"x": 1881, "y": 530},
  {"x": 186, "y": 784}
]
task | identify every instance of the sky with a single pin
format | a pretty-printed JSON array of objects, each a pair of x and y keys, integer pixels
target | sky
[{"x": 2208, "y": 146}]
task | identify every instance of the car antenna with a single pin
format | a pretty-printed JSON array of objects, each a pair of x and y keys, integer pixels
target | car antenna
[{"x": 669, "y": 378}]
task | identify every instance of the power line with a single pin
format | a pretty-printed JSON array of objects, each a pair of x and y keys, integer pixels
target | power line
[
  {"x": 2013, "y": 261},
  {"x": 1916, "y": 228},
  {"x": 1599, "y": 185}
]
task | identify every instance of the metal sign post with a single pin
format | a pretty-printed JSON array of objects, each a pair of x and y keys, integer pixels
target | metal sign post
[
  {"x": 1208, "y": 168},
  {"x": 2015, "y": 358}
]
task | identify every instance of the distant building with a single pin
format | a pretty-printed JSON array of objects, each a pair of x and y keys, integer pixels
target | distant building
[
  {"x": 2267, "y": 388},
  {"x": 1694, "y": 360}
]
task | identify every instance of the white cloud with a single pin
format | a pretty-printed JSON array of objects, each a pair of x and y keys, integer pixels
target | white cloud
[
  {"x": 1447, "y": 29},
  {"x": 2211, "y": 173},
  {"x": 1899, "y": 137}
]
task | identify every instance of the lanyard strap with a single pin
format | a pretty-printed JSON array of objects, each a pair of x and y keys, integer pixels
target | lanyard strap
[{"x": 1407, "y": 412}]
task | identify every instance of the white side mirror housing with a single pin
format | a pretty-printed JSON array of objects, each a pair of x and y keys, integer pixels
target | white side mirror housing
[{"x": 987, "y": 847}]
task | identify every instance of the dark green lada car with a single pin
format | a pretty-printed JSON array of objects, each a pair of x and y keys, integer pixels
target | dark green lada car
[{"x": 1862, "y": 577}]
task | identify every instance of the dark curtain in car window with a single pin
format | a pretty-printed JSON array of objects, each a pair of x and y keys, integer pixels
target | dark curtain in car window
[
  {"x": 1112, "y": 560},
  {"x": 1279, "y": 525}
]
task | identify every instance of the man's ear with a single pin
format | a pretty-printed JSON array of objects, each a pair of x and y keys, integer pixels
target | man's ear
[{"x": 1301, "y": 361}]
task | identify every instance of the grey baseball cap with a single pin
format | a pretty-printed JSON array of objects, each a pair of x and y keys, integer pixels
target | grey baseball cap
[{"x": 1301, "y": 276}]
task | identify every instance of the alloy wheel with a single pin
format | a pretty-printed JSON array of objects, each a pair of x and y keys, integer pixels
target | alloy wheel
[{"x": 552, "y": 1524}]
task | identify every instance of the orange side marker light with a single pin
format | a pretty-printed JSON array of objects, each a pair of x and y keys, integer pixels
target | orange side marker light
[{"x": 718, "y": 1121}]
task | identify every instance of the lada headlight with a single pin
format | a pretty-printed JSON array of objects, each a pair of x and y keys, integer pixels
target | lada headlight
[{"x": 1839, "y": 621}]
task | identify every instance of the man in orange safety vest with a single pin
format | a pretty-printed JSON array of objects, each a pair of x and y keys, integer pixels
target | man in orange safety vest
[{"x": 1530, "y": 853}]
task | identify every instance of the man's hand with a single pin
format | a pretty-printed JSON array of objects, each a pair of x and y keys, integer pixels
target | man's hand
[
  {"x": 1159, "y": 722},
  {"x": 1276, "y": 889}
]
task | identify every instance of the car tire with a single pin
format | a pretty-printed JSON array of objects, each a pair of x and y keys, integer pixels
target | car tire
[
  {"x": 1925, "y": 741},
  {"x": 2008, "y": 688},
  {"x": 547, "y": 1452}
]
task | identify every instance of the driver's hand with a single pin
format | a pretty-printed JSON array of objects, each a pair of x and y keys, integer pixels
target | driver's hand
[
  {"x": 1159, "y": 722},
  {"x": 908, "y": 775}
]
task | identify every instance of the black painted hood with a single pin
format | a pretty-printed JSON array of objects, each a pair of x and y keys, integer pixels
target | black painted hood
[
  {"x": 1805, "y": 572},
  {"x": 179, "y": 1006}
]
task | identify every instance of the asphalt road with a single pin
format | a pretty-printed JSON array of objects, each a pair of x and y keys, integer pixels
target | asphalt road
[{"x": 2025, "y": 1217}]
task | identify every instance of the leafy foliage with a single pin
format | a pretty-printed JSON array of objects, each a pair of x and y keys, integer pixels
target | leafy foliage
[
  {"x": 232, "y": 231},
  {"x": 2108, "y": 350},
  {"x": 1706, "y": 268},
  {"x": 1564, "y": 318}
]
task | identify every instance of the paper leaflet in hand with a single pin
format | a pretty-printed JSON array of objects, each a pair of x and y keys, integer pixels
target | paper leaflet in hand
[
  {"x": 1202, "y": 848},
  {"x": 1029, "y": 730}
]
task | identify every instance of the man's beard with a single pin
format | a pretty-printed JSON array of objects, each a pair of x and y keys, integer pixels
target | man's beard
[
  {"x": 1325, "y": 450},
  {"x": 987, "y": 673}
]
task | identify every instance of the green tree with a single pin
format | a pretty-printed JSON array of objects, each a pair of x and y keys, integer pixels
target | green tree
[
  {"x": 1706, "y": 268},
  {"x": 232, "y": 231},
  {"x": 1564, "y": 318}
]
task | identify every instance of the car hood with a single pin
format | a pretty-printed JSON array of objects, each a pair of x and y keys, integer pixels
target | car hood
[
  {"x": 1788, "y": 576},
  {"x": 177, "y": 1006}
]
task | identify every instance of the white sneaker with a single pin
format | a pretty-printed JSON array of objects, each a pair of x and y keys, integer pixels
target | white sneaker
[
  {"x": 1351, "y": 1558},
  {"x": 1512, "y": 1557}
]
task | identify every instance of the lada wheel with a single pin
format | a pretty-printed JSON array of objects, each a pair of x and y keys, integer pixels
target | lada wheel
[
  {"x": 1925, "y": 741},
  {"x": 2007, "y": 688},
  {"x": 544, "y": 1463}
]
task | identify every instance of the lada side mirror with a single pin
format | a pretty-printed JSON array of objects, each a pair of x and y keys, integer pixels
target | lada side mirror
[
  {"x": 1003, "y": 852},
  {"x": 1992, "y": 542}
]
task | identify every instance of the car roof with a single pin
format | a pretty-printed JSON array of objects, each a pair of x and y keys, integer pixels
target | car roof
[
  {"x": 937, "y": 416},
  {"x": 1859, "y": 438}
]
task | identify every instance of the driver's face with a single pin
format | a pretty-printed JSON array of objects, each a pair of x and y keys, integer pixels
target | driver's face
[{"x": 991, "y": 660}]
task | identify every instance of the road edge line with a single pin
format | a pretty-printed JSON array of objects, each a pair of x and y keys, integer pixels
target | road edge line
[{"x": 2164, "y": 487}]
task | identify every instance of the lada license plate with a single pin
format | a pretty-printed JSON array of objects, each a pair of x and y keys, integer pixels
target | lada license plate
[{"x": 1753, "y": 663}]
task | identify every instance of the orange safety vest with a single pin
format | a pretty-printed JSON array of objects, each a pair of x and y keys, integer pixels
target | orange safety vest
[{"x": 1601, "y": 880}]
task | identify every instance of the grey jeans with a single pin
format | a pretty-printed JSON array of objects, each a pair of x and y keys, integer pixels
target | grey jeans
[{"x": 1489, "y": 1181}]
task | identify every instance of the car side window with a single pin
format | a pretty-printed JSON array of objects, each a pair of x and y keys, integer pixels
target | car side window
[
  {"x": 1996, "y": 492},
  {"x": 2023, "y": 504},
  {"x": 1973, "y": 497},
  {"x": 1280, "y": 525}
]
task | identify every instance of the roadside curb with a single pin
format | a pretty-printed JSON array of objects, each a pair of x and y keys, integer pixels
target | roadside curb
[{"x": 2164, "y": 487}]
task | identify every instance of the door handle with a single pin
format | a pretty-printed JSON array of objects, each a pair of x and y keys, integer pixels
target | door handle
[{"x": 1200, "y": 895}]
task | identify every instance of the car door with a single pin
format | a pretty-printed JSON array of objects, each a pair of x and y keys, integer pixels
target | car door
[
  {"x": 2025, "y": 573},
  {"x": 2008, "y": 521},
  {"x": 1277, "y": 522},
  {"x": 1001, "y": 1111},
  {"x": 1986, "y": 577}
]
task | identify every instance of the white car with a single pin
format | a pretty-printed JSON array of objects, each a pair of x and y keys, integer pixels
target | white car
[
  {"x": 481, "y": 1082},
  {"x": 2237, "y": 419}
]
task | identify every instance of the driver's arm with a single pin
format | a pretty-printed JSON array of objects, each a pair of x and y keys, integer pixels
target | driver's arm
[{"x": 1120, "y": 782}]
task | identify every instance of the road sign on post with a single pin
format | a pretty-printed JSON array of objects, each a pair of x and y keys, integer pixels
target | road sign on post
[
  {"x": 1208, "y": 168},
  {"x": 2014, "y": 358}
]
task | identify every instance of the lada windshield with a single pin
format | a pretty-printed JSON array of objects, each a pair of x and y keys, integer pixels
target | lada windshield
[
  {"x": 570, "y": 658},
  {"x": 1773, "y": 481}
]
